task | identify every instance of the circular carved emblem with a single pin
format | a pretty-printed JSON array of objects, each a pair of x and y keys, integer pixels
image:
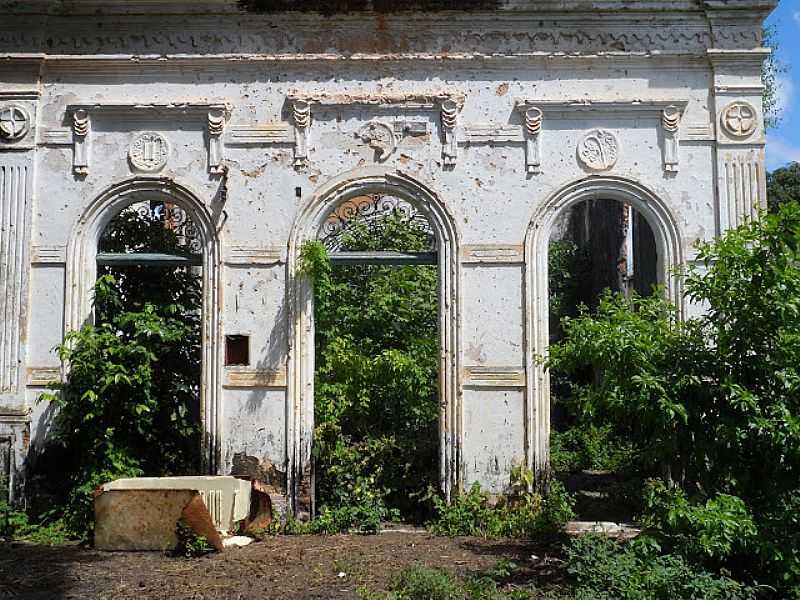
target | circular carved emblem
[
  {"x": 14, "y": 123},
  {"x": 149, "y": 151},
  {"x": 739, "y": 119},
  {"x": 598, "y": 150},
  {"x": 380, "y": 137}
]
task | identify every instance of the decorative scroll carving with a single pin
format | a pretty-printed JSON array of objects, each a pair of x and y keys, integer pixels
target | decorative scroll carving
[
  {"x": 533, "y": 129},
  {"x": 670, "y": 123},
  {"x": 301, "y": 114},
  {"x": 371, "y": 212},
  {"x": 598, "y": 150},
  {"x": 450, "y": 109},
  {"x": 380, "y": 137},
  {"x": 216, "y": 149},
  {"x": 149, "y": 152},
  {"x": 80, "y": 143},
  {"x": 15, "y": 123},
  {"x": 739, "y": 119}
]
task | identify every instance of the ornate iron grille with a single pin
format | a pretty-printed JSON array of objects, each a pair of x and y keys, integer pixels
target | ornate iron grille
[
  {"x": 167, "y": 215},
  {"x": 372, "y": 212}
]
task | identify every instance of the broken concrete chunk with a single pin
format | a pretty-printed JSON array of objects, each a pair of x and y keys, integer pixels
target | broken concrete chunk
[{"x": 142, "y": 513}]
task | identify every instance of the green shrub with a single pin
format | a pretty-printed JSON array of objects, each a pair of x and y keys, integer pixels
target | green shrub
[
  {"x": 716, "y": 529},
  {"x": 590, "y": 446},
  {"x": 190, "y": 545},
  {"x": 712, "y": 401},
  {"x": 50, "y": 530},
  {"x": 522, "y": 514},
  {"x": 604, "y": 569}
]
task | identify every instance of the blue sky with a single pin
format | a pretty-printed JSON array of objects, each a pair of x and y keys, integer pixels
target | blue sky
[{"x": 783, "y": 143}]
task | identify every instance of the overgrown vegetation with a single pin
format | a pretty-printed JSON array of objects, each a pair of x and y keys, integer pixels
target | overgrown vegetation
[
  {"x": 376, "y": 397},
  {"x": 521, "y": 514},
  {"x": 130, "y": 403},
  {"x": 190, "y": 545},
  {"x": 711, "y": 403}
]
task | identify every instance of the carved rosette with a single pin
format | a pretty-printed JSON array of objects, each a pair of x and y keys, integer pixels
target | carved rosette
[
  {"x": 301, "y": 114},
  {"x": 598, "y": 150},
  {"x": 450, "y": 110},
  {"x": 80, "y": 142},
  {"x": 149, "y": 152},
  {"x": 534, "y": 118},
  {"x": 216, "y": 151},
  {"x": 380, "y": 137},
  {"x": 670, "y": 123},
  {"x": 739, "y": 119},
  {"x": 15, "y": 123}
]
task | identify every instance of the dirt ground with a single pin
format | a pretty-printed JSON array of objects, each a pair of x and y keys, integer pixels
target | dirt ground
[{"x": 281, "y": 567}]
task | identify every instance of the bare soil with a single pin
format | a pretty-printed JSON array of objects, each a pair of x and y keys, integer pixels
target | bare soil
[{"x": 330, "y": 567}]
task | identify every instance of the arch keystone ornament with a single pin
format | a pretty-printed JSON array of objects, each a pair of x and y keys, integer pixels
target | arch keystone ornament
[
  {"x": 739, "y": 119},
  {"x": 15, "y": 123},
  {"x": 149, "y": 152},
  {"x": 598, "y": 150}
]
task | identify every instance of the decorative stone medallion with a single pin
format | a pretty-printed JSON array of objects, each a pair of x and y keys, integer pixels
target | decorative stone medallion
[
  {"x": 14, "y": 123},
  {"x": 739, "y": 119},
  {"x": 598, "y": 150},
  {"x": 149, "y": 152},
  {"x": 380, "y": 137}
]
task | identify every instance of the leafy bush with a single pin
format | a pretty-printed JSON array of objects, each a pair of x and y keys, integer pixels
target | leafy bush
[
  {"x": 190, "y": 545},
  {"x": 590, "y": 446},
  {"x": 604, "y": 569},
  {"x": 522, "y": 514},
  {"x": 716, "y": 529},
  {"x": 17, "y": 525}
]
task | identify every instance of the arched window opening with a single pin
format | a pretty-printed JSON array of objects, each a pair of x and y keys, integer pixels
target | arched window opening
[
  {"x": 377, "y": 408},
  {"x": 149, "y": 291},
  {"x": 597, "y": 246}
]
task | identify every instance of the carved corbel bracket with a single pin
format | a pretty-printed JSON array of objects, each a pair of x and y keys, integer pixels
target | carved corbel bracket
[
  {"x": 450, "y": 110},
  {"x": 80, "y": 141},
  {"x": 301, "y": 115},
  {"x": 216, "y": 120},
  {"x": 670, "y": 123},
  {"x": 534, "y": 117}
]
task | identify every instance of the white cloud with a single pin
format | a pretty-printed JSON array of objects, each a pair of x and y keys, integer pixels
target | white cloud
[
  {"x": 780, "y": 153},
  {"x": 797, "y": 16}
]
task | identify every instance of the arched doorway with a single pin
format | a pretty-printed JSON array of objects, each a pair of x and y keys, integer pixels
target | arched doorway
[
  {"x": 665, "y": 244},
  {"x": 311, "y": 225},
  {"x": 161, "y": 208}
]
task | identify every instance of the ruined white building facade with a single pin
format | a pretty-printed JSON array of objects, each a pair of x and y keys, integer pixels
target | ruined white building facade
[{"x": 258, "y": 122}]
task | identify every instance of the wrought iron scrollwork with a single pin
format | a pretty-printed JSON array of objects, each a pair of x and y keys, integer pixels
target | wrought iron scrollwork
[
  {"x": 171, "y": 217},
  {"x": 371, "y": 212}
]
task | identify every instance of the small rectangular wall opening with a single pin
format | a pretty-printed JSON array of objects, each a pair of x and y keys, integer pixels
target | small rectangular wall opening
[{"x": 237, "y": 350}]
